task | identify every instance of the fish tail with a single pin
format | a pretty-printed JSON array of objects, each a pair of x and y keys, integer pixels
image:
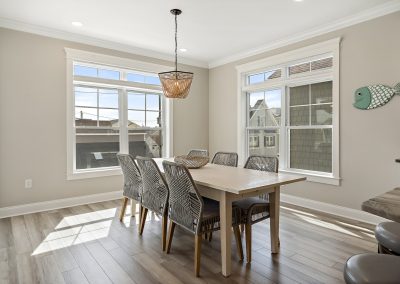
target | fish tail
[{"x": 397, "y": 89}]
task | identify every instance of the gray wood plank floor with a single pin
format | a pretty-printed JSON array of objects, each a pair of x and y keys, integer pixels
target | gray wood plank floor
[{"x": 87, "y": 244}]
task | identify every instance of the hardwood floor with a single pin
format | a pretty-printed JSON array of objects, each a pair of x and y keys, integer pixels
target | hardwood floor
[{"x": 88, "y": 244}]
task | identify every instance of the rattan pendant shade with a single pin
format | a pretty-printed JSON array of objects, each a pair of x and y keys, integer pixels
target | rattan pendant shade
[{"x": 176, "y": 84}]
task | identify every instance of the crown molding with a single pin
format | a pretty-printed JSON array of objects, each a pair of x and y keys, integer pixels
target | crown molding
[
  {"x": 369, "y": 14},
  {"x": 63, "y": 35}
]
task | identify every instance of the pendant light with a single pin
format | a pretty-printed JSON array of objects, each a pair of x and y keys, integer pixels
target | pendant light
[{"x": 176, "y": 84}]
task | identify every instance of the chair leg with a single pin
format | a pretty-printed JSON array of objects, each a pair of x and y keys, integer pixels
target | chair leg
[
  {"x": 164, "y": 231},
  {"x": 197, "y": 254},
  {"x": 123, "y": 208},
  {"x": 210, "y": 236},
  {"x": 238, "y": 240},
  {"x": 143, "y": 220},
  {"x": 170, "y": 235},
  {"x": 248, "y": 242},
  {"x": 242, "y": 228}
]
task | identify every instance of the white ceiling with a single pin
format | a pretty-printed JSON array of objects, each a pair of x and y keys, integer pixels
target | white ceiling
[{"x": 212, "y": 31}]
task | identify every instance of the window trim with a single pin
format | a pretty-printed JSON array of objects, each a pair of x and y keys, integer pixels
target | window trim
[
  {"x": 331, "y": 47},
  {"x": 96, "y": 59}
]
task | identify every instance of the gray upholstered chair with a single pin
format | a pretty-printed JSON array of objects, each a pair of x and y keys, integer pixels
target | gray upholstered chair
[
  {"x": 256, "y": 209},
  {"x": 225, "y": 158},
  {"x": 132, "y": 181},
  {"x": 197, "y": 153},
  {"x": 372, "y": 268},
  {"x": 187, "y": 209},
  {"x": 155, "y": 194},
  {"x": 388, "y": 236}
]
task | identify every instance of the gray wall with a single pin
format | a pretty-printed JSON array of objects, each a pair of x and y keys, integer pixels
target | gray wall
[
  {"x": 369, "y": 140},
  {"x": 33, "y": 119}
]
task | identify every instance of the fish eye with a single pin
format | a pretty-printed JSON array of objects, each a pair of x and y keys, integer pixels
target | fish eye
[{"x": 359, "y": 94}]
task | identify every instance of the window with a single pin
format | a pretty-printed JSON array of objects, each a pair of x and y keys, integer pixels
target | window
[
  {"x": 293, "y": 107},
  {"x": 269, "y": 141},
  {"x": 116, "y": 109}
]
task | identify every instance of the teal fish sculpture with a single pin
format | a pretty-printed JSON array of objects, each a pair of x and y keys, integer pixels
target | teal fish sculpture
[{"x": 374, "y": 96}]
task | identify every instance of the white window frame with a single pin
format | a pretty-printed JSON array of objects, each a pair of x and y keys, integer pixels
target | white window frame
[
  {"x": 130, "y": 66},
  {"x": 316, "y": 51}
]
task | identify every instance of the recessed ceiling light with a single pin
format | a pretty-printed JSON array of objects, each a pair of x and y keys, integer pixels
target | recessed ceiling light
[
  {"x": 77, "y": 24},
  {"x": 183, "y": 49},
  {"x": 298, "y": 0}
]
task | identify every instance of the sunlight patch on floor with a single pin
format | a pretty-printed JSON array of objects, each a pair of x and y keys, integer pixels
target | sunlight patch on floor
[
  {"x": 95, "y": 228},
  {"x": 326, "y": 225}
]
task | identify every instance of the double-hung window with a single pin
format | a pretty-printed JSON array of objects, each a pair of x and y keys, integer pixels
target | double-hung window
[
  {"x": 113, "y": 105},
  {"x": 289, "y": 103}
]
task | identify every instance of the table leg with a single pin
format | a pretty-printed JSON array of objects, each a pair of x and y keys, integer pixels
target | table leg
[
  {"x": 274, "y": 200},
  {"x": 225, "y": 207},
  {"x": 133, "y": 207}
]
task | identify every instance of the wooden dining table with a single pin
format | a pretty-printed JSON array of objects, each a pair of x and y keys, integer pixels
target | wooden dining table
[{"x": 227, "y": 184}]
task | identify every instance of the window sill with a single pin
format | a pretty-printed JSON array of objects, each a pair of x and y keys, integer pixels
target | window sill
[
  {"x": 315, "y": 177},
  {"x": 94, "y": 173}
]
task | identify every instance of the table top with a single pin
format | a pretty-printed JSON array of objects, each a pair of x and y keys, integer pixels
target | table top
[
  {"x": 386, "y": 205},
  {"x": 236, "y": 180}
]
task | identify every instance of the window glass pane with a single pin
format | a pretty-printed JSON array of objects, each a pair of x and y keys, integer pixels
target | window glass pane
[
  {"x": 96, "y": 148},
  {"x": 300, "y": 115},
  {"x": 108, "y": 117},
  {"x": 265, "y": 108},
  {"x": 321, "y": 114},
  {"x": 108, "y": 74},
  {"x": 153, "y": 80},
  {"x": 264, "y": 142},
  {"x": 321, "y": 92},
  {"x": 85, "y": 116},
  {"x": 136, "y": 101},
  {"x": 300, "y": 68},
  {"x": 152, "y": 119},
  {"x": 80, "y": 70},
  {"x": 136, "y": 119},
  {"x": 311, "y": 149},
  {"x": 138, "y": 78},
  {"x": 108, "y": 98},
  {"x": 273, "y": 74},
  {"x": 152, "y": 102},
  {"x": 256, "y": 78},
  {"x": 300, "y": 95},
  {"x": 86, "y": 96},
  {"x": 322, "y": 63},
  {"x": 147, "y": 143}
]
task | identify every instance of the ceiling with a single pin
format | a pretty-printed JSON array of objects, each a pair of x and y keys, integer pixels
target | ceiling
[{"x": 212, "y": 31}]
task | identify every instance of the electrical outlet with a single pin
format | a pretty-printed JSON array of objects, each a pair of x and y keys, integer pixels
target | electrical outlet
[{"x": 28, "y": 183}]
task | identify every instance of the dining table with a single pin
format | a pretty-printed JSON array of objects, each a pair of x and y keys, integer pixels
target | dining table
[{"x": 228, "y": 184}]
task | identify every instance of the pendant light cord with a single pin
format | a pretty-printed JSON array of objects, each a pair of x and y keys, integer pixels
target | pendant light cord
[{"x": 176, "y": 43}]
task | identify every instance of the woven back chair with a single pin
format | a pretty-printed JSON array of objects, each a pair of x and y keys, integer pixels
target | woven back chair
[
  {"x": 132, "y": 178},
  {"x": 192, "y": 212},
  {"x": 185, "y": 203},
  {"x": 155, "y": 193},
  {"x": 225, "y": 158},
  {"x": 197, "y": 153},
  {"x": 263, "y": 163},
  {"x": 133, "y": 185},
  {"x": 256, "y": 209}
]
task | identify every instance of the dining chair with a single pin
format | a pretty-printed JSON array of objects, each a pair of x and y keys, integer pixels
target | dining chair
[
  {"x": 198, "y": 153},
  {"x": 133, "y": 184},
  {"x": 155, "y": 194},
  {"x": 255, "y": 209},
  {"x": 187, "y": 209},
  {"x": 225, "y": 158}
]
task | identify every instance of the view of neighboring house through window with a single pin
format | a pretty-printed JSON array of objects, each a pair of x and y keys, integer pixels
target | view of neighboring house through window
[
  {"x": 292, "y": 110},
  {"x": 264, "y": 121},
  {"x": 112, "y": 115}
]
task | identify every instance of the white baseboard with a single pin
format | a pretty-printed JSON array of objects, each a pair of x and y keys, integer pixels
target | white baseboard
[
  {"x": 86, "y": 199},
  {"x": 58, "y": 203},
  {"x": 333, "y": 209}
]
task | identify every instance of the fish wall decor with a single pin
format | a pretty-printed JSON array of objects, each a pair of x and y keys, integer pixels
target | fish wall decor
[{"x": 374, "y": 96}]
